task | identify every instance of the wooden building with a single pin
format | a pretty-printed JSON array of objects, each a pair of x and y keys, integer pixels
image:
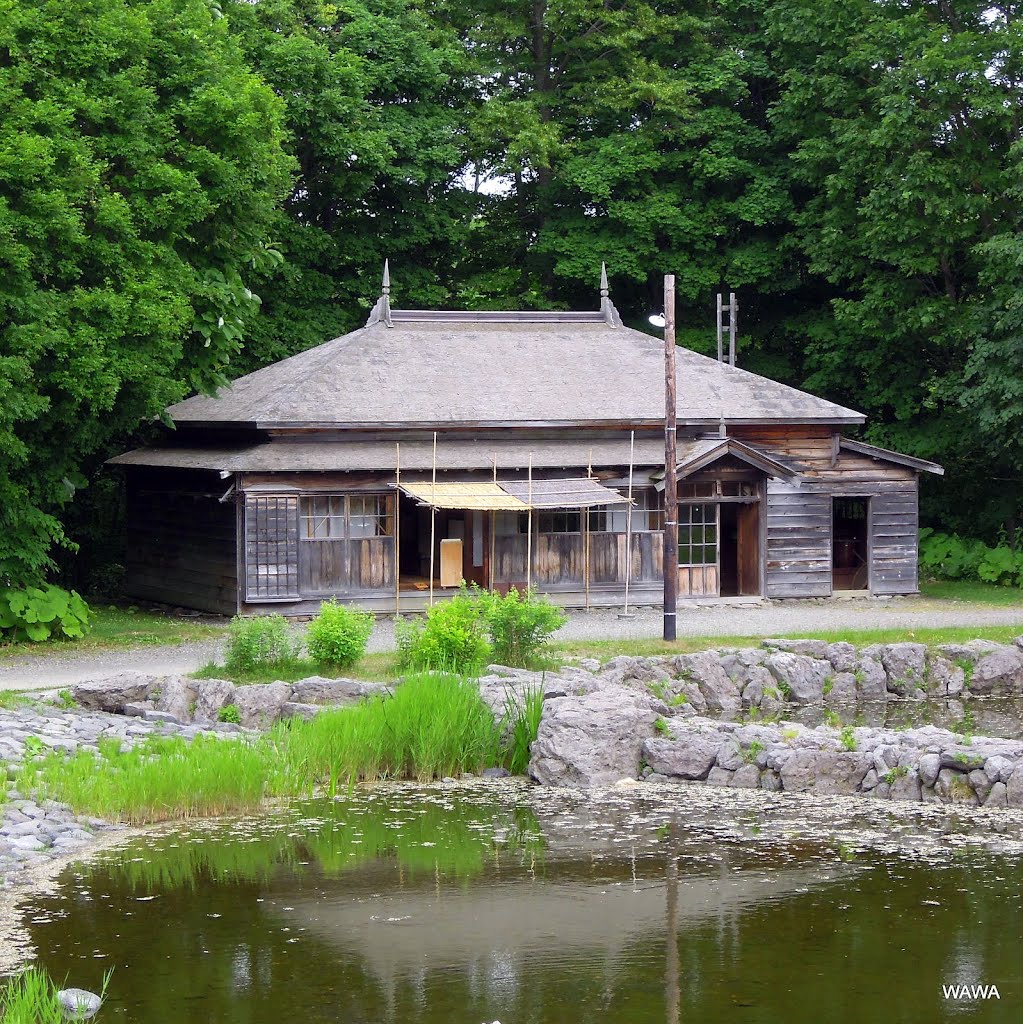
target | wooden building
[{"x": 496, "y": 447}]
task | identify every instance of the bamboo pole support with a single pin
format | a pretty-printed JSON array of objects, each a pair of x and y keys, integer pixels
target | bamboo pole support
[
  {"x": 529, "y": 530},
  {"x": 433, "y": 515},
  {"x": 397, "y": 528},
  {"x": 628, "y": 524},
  {"x": 493, "y": 534}
]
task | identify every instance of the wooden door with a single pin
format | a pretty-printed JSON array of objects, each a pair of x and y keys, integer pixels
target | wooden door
[{"x": 748, "y": 517}]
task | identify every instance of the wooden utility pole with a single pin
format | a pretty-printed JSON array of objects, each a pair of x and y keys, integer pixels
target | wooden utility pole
[{"x": 669, "y": 558}]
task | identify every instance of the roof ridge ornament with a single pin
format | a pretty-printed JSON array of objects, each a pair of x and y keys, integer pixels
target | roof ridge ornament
[
  {"x": 381, "y": 312},
  {"x": 607, "y": 307}
]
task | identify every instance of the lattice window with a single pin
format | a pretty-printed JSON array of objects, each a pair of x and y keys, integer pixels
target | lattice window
[
  {"x": 647, "y": 515},
  {"x": 697, "y": 534},
  {"x": 271, "y": 548},
  {"x": 337, "y": 516},
  {"x": 559, "y": 522}
]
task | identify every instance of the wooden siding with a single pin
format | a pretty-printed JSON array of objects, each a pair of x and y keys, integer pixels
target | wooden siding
[
  {"x": 797, "y": 560},
  {"x": 181, "y": 542}
]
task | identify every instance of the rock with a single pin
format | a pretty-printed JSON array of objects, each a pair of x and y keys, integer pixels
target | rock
[
  {"x": 906, "y": 787},
  {"x": 905, "y": 666},
  {"x": 842, "y": 656},
  {"x": 730, "y": 754},
  {"x": 704, "y": 669},
  {"x": 952, "y": 787},
  {"x": 841, "y": 688},
  {"x": 824, "y": 771},
  {"x": 981, "y": 784},
  {"x": 136, "y": 709},
  {"x": 997, "y": 796},
  {"x": 1014, "y": 789},
  {"x": 293, "y": 709},
  {"x": 112, "y": 693},
  {"x": 1000, "y": 672},
  {"x": 770, "y": 781},
  {"x": 78, "y": 1004},
  {"x": 159, "y": 716},
  {"x": 928, "y": 767},
  {"x": 211, "y": 696},
  {"x": 753, "y": 694},
  {"x": 260, "y": 706},
  {"x": 747, "y": 777},
  {"x": 809, "y": 648},
  {"x": 870, "y": 780},
  {"x": 719, "y": 777},
  {"x": 496, "y": 773},
  {"x": 800, "y": 677},
  {"x": 318, "y": 690},
  {"x": 689, "y": 755},
  {"x": 176, "y": 695},
  {"x": 871, "y": 679},
  {"x": 944, "y": 677},
  {"x": 592, "y": 740},
  {"x": 998, "y": 768}
]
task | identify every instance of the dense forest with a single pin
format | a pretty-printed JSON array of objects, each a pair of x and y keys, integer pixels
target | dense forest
[{"x": 190, "y": 189}]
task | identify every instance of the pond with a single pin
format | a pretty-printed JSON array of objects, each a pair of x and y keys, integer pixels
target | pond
[{"x": 475, "y": 903}]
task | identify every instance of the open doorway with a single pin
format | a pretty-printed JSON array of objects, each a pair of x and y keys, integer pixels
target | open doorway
[
  {"x": 849, "y": 553},
  {"x": 740, "y": 549}
]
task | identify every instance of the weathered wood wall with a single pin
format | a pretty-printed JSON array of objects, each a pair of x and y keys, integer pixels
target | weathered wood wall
[
  {"x": 181, "y": 540},
  {"x": 798, "y": 520}
]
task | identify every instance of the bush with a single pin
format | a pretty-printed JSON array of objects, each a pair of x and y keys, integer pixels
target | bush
[
  {"x": 39, "y": 613},
  {"x": 949, "y": 556},
  {"x": 453, "y": 637},
  {"x": 338, "y": 635},
  {"x": 260, "y": 642},
  {"x": 521, "y": 626}
]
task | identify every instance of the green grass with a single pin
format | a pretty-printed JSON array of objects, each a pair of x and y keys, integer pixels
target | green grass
[
  {"x": 31, "y": 998},
  {"x": 972, "y": 592},
  {"x": 433, "y": 726},
  {"x": 116, "y": 628}
]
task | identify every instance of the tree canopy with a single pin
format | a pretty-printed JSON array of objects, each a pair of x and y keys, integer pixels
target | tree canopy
[{"x": 192, "y": 189}]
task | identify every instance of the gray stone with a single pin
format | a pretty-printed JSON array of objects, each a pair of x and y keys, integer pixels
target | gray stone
[
  {"x": 730, "y": 754},
  {"x": 78, "y": 1004},
  {"x": 176, "y": 695},
  {"x": 928, "y": 766},
  {"x": 704, "y": 669},
  {"x": 719, "y": 777},
  {"x": 211, "y": 696},
  {"x": 997, "y": 796},
  {"x": 687, "y": 756},
  {"x": 809, "y": 648},
  {"x": 842, "y": 656},
  {"x": 981, "y": 783},
  {"x": 318, "y": 690},
  {"x": 944, "y": 677},
  {"x": 113, "y": 692},
  {"x": 870, "y": 780},
  {"x": 771, "y": 781},
  {"x": 260, "y": 706},
  {"x": 592, "y": 740},
  {"x": 136, "y": 709},
  {"x": 871, "y": 679},
  {"x": 906, "y": 787},
  {"x": 824, "y": 771},
  {"x": 496, "y": 773},
  {"x": 1014, "y": 788},
  {"x": 747, "y": 777},
  {"x": 292, "y": 709},
  {"x": 905, "y": 665},
  {"x": 801, "y": 676},
  {"x": 841, "y": 688},
  {"x": 1000, "y": 672},
  {"x": 159, "y": 716},
  {"x": 952, "y": 787}
]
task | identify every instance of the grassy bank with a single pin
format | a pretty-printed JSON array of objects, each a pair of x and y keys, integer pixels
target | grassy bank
[
  {"x": 116, "y": 628},
  {"x": 433, "y": 726}
]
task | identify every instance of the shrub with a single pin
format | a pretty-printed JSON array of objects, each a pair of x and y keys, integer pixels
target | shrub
[
  {"x": 521, "y": 625},
  {"x": 230, "y": 713},
  {"x": 453, "y": 636},
  {"x": 259, "y": 642},
  {"x": 338, "y": 635},
  {"x": 950, "y": 556},
  {"x": 39, "y": 613}
]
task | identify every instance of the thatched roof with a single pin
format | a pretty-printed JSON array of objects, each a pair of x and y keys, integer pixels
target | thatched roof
[{"x": 556, "y": 370}]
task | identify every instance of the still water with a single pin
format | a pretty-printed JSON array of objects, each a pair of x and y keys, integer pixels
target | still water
[{"x": 444, "y": 905}]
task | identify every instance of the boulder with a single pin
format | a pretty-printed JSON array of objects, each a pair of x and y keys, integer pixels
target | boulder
[
  {"x": 905, "y": 666},
  {"x": 260, "y": 705},
  {"x": 730, "y": 754},
  {"x": 318, "y": 690},
  {"x": 704, "y": 669},
  {"x": 176, "y": 695},
  {"x": 953, "y": 787},
  {"x": 980, "y": 783},
  {"x": 928, "y": 767},
  {"x": 1000, "y": 672},
  {"x": 295, "y": 709},
  {"x": 800, "y": 677},
  {"x": 998, "y": 768},
  {"x": 113, "y": 692},
  {"x": 747, "y": 777},
  {"x": 842, "y": 656},
  {"x": 592, "y": 740},
  {"x": 78, "y": 1004},
  {"x": 824, "y": 771},
  {"x": 944, "y": 677},
  {"x": 809, "y": 648},
  {"x": 683, "y": 754},
  {"x": 211, "y": 695},
  {"x": 906, "y": 787},
  {"x": 1014, "y": 789},
  {"x": 997, "y": 796},
  {"x": 719, "y": 776},
  {"x": 871, "y": 679},
  {"x": 841, "y": 688}
]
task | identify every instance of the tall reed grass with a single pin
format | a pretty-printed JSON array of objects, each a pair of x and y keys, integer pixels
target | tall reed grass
[
  {"x": 433, "y": 726},
  {"x": 31, "y": 998}
]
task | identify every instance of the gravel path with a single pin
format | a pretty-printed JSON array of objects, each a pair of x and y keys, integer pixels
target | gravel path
[{"x": 740, "y": 619}]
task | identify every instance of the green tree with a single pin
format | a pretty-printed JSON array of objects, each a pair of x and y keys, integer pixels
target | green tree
[{"x": 140, "y": 163}]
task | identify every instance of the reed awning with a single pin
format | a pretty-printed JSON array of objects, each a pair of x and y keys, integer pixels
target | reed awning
[{"x": 512, "y": 495}]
